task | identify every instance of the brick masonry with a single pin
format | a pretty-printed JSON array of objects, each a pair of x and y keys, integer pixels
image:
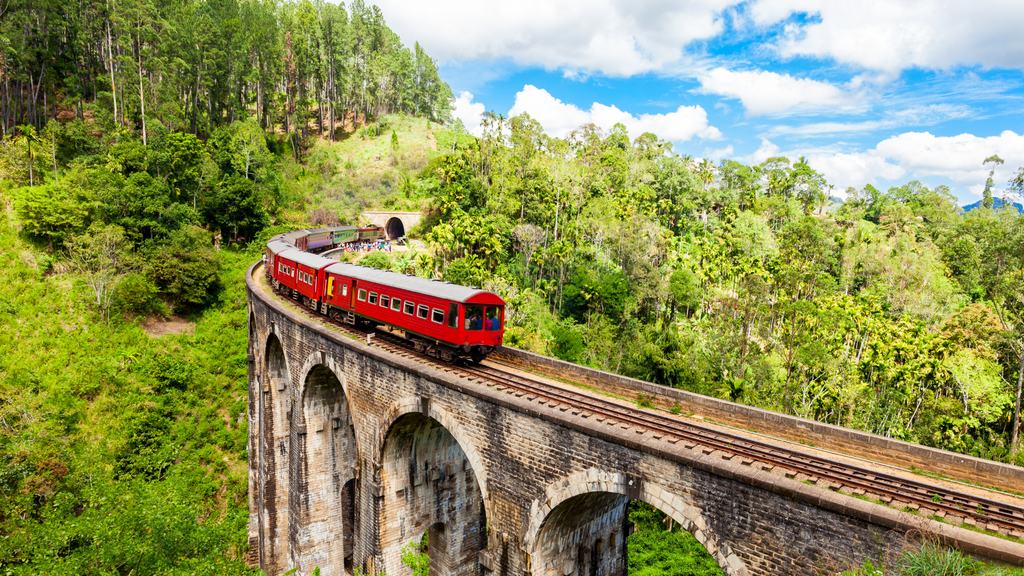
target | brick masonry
[
  {"x": 802, "y": 430},
  {"x": 355, "y": 453}
]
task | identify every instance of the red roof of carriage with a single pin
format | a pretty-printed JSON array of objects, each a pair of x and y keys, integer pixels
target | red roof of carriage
[{"x": 436, "y": 288}]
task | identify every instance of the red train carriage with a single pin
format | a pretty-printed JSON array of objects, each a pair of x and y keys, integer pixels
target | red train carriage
[
  {"x": 275, "y": 247},
  {"x": 445, "y": 320},
  {"x": 302, "y": 272}
]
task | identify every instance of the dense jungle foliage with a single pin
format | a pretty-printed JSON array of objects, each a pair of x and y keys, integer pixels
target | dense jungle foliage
[{"x": 891, "y": 312}]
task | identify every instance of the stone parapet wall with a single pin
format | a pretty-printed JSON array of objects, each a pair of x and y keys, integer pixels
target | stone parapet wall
[{"x": 809, "y": 432}]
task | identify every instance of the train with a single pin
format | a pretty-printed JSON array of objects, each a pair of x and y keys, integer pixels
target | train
[
  {"x": 318, "y": 240},
  {"x": 441, "y": 319}
]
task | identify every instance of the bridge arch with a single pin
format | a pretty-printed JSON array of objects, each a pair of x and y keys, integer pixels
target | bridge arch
[
  {"x": 322, "y": 471},
  {"x": 275, "y": 405},
  {"x": 601, "y": 492},
  {"x": 431, "y": 480}
]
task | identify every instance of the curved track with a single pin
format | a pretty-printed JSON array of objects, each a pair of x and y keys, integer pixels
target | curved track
[{"x": 926, "y": 499}]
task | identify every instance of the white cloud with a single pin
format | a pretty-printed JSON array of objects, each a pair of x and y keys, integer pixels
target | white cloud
[
  {"x": 718, "y": 153},
  {"x": 765, "y": 151},
  {"x": 893, "y": 35},
  {"x": 915, "y": 116},
  {"x": 958, "y": 158},
  {"x": 613, "y": 37},
  {"x": 856, "y": 169},
  {"x": 913, "y": 155},
  {"x": 469, "y": 112},
  {"x": 559, "y": 118},
  {"x": 764, "y": 92}
]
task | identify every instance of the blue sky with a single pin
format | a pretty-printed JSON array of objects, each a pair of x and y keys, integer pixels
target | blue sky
[{"x": 874, "y": 91}]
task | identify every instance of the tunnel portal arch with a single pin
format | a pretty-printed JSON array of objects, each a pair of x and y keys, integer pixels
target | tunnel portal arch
[{"x": 394, "y": 228}]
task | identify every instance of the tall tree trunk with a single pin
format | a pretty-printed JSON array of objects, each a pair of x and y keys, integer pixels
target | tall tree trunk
[
  {"x": 110, "y": 64},
  {"x": 142, "y": 98},
  {"x": 1014, "y": 434}
]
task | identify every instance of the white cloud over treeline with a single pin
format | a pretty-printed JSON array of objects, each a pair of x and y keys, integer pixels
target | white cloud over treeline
[{"x": 558, "y": 118}]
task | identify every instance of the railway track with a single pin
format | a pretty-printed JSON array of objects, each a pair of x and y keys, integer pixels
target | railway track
[{"x": 949, "y": 505}]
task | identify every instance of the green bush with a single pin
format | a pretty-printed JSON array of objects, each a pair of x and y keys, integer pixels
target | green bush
[
  {"x": 137, "y": 295},
  {"x": 379, "y": 260},
  {"x": 185, "y": 266},
  {"x": 655, "y": 551}
]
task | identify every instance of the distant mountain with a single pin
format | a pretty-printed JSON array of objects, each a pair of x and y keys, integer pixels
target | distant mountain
[{"x": 998, "y": 204}]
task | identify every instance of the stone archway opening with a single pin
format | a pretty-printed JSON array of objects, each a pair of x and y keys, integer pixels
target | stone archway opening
[
  {"x": 657, "y": 544},
  {"x": 394, "y": 228},
  {"x": 607, "y": 534},
  {"x": 429, "y": 486},
  {"x": 254, "y": 345},
  {"x": 348, "y": 522},
  {"x": 275, "y": 449},
  {"x": 323, "y": 475}
]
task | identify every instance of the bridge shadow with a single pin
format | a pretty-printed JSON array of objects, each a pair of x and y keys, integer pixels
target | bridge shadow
[{"x": 429, "y": 485}]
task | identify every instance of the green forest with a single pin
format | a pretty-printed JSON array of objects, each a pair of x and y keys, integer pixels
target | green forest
[
  {"x": 147, "y": 149},
  {"x": 890, "y": 312}
]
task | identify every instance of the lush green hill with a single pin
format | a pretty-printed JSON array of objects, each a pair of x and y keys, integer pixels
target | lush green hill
[{"x": 119, "y": 452}]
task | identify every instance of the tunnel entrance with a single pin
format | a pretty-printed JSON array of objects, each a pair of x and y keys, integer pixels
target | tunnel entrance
[{"x": 394, "y": 229}]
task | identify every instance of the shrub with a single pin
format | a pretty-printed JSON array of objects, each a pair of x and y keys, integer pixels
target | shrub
[
  {"x": 137, "y": 295},
  {"x": 377, "y": 260}
]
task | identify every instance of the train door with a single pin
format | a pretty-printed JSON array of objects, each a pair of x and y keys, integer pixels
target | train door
[{"x": 352, "y": 296}]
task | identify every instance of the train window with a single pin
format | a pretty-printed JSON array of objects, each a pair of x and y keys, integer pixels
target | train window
[
  {"x": 362, "y": 295},
  {"x": 422, "y": 311},
  {"x": 453, "y": 315},
  {"x": 410, "y": 308},
  {"x": 396, "y": 304},
  {"x": 474, "y": 317},
  {"x": 385, "y": 300},
  {"x": 344, "y": 289},
  {"x": 373, "y": 297},
  {"x": 492, "y": 321},
  {"x": 438, "y": 316}
]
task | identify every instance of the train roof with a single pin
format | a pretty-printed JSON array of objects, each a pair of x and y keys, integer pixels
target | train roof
[
  {"x": 278, "y": 246},
  {"x": 291, "y": 237},
  {"x": 307, "y": 259},
  {"x": 438, "y": 289}
]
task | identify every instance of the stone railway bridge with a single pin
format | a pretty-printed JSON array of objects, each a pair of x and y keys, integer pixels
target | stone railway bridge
[{"x": 355, "y": 452}]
